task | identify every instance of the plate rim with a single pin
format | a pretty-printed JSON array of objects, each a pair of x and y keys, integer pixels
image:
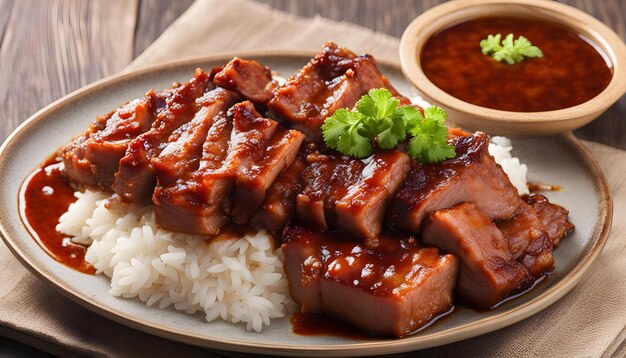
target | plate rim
[{"x": 481, "y": 326}]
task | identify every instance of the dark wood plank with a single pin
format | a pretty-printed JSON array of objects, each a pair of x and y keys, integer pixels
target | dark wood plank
[
  {"x": 52, "y": 48},
  {"x": 392, "y": 16},
  {"x": 153, "y": 17}
]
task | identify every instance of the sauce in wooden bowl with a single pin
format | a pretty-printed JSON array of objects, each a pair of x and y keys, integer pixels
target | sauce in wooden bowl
[{"x": 571, "y": 72}]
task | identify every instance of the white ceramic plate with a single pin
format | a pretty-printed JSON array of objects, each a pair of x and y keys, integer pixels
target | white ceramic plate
[{"x": 558, "y": 160}]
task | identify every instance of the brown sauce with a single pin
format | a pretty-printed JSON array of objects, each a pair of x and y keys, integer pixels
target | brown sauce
[
  {"x": 44, "y": 197},
  {"x": 571, "y": 72},
  {"x": 323, "y": 325}
]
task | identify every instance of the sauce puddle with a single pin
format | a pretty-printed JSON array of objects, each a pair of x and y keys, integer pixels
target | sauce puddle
[
  {"x": 323, "y": 325},
  {"x": 45, "y": 195}
]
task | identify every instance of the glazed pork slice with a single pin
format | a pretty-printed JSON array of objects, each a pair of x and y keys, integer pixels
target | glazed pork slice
[
  {"x": 488, "y": 272},
  {"x": 249, "y": 78},
  {"x": 391, "y": 290},
  {"x": 183, "y": 151},
  {"x": 135, "y": 179},
  {"x": 194, "y": 204},
  {"x": 92, "y": 158},
  {"x": 279, "y": 205},
  {"x": 335, "y": 78},
  {"x": 180, "y": 158},
  {"x": 251, "y": 188},
  {"x": 552, "y": 216},
  {"x": 362, "y": 209},
  {"x": 350, "y": 194},
  {"x": 326, "y": 179},
  {"x": 248, "y": 141},
  {"x": 529, "y": 242},
  {"x": 472, "y": 176},
  {"x": 241, "y": 156}
]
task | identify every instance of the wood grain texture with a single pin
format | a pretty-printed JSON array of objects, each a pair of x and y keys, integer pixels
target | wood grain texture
[
  {"x": 153, "y": 17},
  {"x": 52, "y": 48}
]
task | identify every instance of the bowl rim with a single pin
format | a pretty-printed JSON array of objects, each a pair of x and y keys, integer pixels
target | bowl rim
[{"x": 601, "y": 35}]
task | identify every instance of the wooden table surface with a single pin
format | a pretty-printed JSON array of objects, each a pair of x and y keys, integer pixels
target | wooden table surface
[{"x": 51, "y": 48}]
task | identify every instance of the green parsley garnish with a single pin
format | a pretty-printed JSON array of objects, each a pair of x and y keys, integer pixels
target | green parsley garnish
[
  {"x": 509, "y": 50},
  {"x": 379, "y": 119},
  {"x": 430, "y": 137}
]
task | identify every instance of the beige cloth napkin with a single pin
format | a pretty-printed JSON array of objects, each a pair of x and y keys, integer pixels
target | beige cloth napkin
[{"x": 588, "y": 322}]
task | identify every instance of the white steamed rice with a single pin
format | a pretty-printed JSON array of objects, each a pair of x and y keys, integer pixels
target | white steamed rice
[
  {"x": 237, "y": 280},
  {"x": 500, "y": 148}
]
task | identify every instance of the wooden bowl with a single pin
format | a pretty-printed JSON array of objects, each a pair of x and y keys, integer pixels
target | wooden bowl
[{"x": 494, "y": 121}]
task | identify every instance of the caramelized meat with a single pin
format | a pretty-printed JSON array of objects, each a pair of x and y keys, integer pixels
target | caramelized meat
[
  {"x": 242, "y": 160},
  {"x": 335, "y": 78},
  {"x": 135, "y": 179},
  {"x": 472, "y": 176},
  {"x": 178, "y": 161},
  {"x": 552, "y": 216},
  {"x": 326, "y": 180},
  {"x": 350, "y": 194},
  {"x": 195, "y": 204},
  {"x": 250, "y": 188},
  {"x": 280, "y": 201},
  {"x": 488, "y": 272},
  {"x": 391, "y": 290},
  {"x": 92, "y": 158},
  {"x": 362, "y": 209},
  {"x": 528, "y": 240},
  {"x": 250, "y": 79}
]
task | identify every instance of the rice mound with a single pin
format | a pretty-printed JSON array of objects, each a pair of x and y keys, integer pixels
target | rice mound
[
  {"x": 500, "y": 148},
  {"x": 235, "y": 279}
]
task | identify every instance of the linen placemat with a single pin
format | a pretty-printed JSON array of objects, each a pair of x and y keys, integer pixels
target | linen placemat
[{"x": 590, "y": 321}]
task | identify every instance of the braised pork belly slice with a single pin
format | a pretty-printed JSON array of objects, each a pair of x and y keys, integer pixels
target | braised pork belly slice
[
  {"x": 472, "y": 176},
  {"x": 325, "y": 180},
  {"x": 92, "y": 158},
  {"x": 180, "y": 158},
  {"x": 135, "y": 179},
  {"x": 529, "y": 242},
  {"x": 335, "y": 78},
  {"x": 488, "y": 272},
  {"x": 194, "y": 203},
  {"x": 251, "y": 188},
  {"x": 183, "y": 151},
  {"x": 350, "y": 194},
  {"x": 552, "y": 216},
  {"x": 362, "y": 209},
  {"x": 389, "y": 291},
  {"x": 279, "y": 206},
  {"x": 249, "y": 78}
]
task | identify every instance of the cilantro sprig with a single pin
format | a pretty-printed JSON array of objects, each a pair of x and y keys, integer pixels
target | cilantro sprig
[
  {"x": 509, "y": 50},
  {"x": 379, "y": 119}
]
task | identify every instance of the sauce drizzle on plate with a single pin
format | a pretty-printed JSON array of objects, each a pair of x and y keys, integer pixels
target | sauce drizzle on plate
[{"x": 45, "y": 195}]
